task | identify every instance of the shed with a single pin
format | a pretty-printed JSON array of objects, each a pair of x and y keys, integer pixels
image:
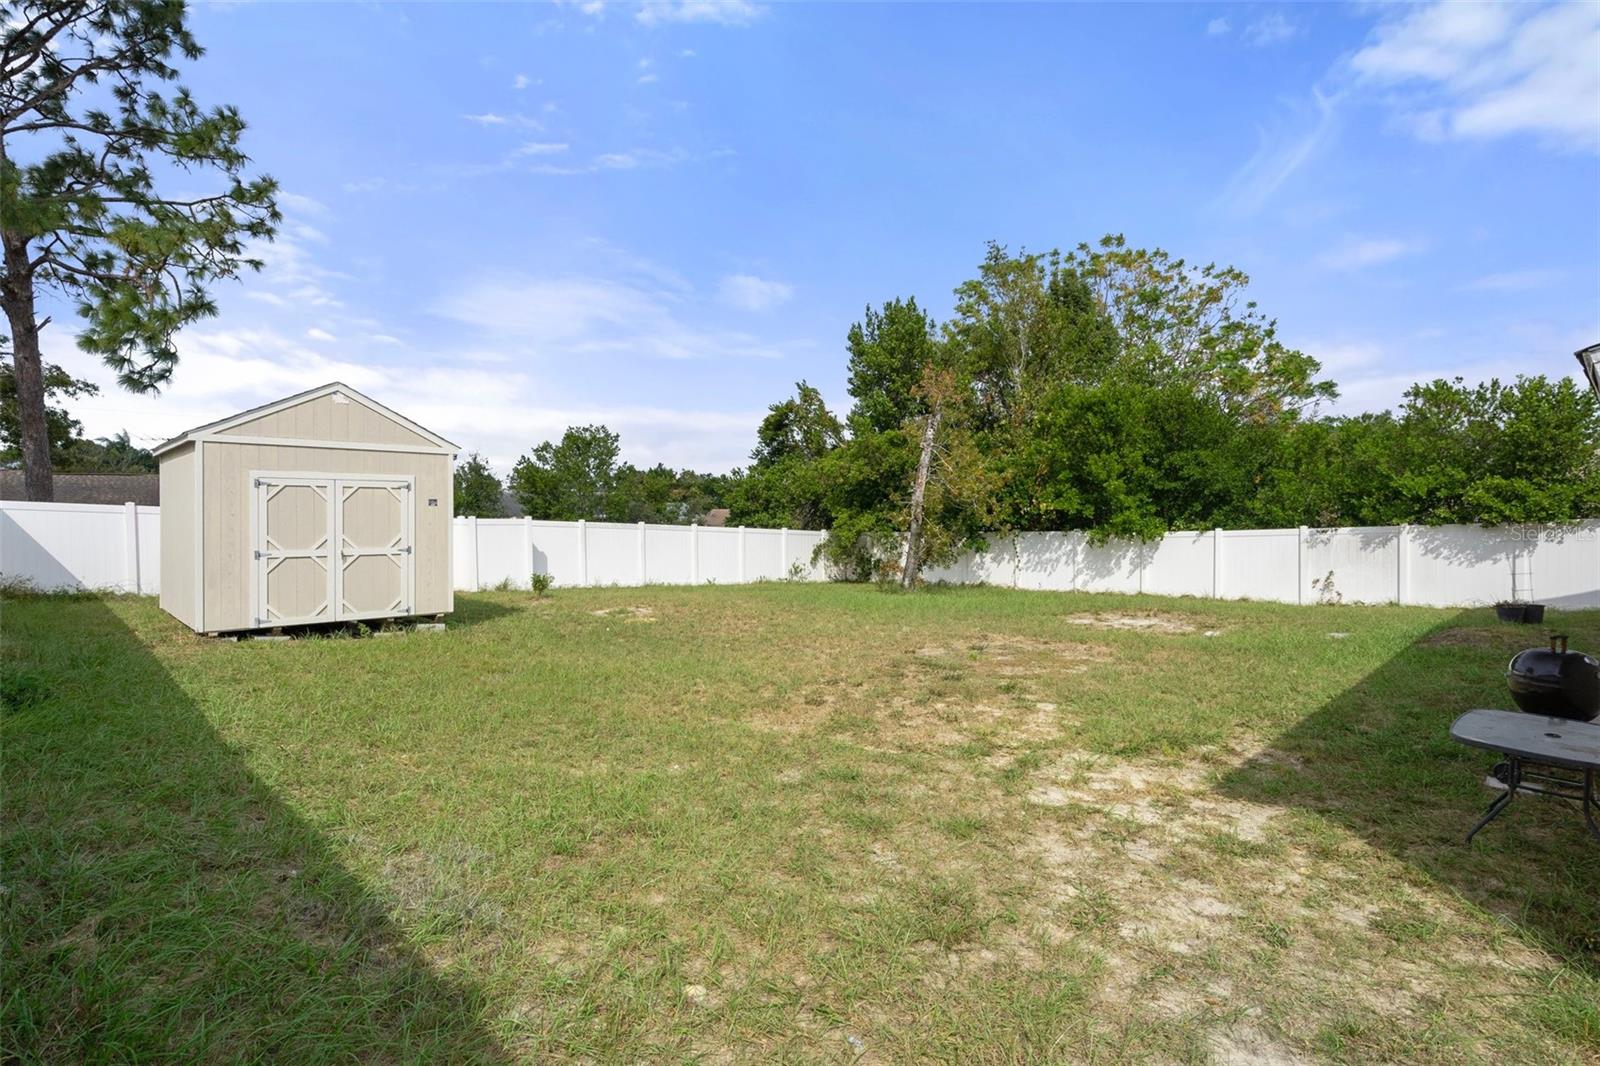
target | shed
[{"x": 325, "y": 506}]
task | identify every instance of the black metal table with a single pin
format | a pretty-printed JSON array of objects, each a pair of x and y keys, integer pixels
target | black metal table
[{"x": 1545, "y": 744}]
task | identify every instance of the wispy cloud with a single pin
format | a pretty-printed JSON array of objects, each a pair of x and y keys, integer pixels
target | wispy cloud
[
  {"x": 1270, "y": 29},
  {"x": 539, "y": 148},
  {"x": 723, "y": 12},
  {"x": 1356, "y": 253},
  {"x": 1217, "y": 27},
  {"x": 1514, "y": 281},
  {"x": 1481, "y": 71},
  {"x": 583, "y": 316},
  {"x": 320, "y": 334},
  {"x": 1280, "y": 154},
  {"x": 492, "y": 118},
  {"x": 522, "y": 81},
  {"x": 750, "y": 293}
]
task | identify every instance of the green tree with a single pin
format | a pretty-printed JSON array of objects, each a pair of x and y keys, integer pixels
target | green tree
[
  {"x": 663, "y": 495},
  {"x": 784, "y": 485},
  {"x": 82, "y": 217},
  {"x": 61, "y": 428},
  {"x": 478, "y": 489},
  {"x": 116, "y": 454},
  {"x": 888, "y": 350},
  {"x": 801, "y": 427},
  {"x": 1490, "y": 453},
  {"x": 569, "y": 480},
  {"x": 1129, "y": 459},
  {"x": 1192, "y": 325},
  {"x": 1024, "y": 323}
]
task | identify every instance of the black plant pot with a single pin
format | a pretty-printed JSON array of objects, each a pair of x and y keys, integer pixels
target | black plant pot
[{"x": 1527, "y": 613}]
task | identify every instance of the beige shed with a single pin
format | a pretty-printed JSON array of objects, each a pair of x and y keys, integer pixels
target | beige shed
[{"x": 325, "y": 506}]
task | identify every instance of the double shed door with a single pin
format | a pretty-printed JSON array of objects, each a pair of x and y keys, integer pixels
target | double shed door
[{"x": 331, "y": 549}]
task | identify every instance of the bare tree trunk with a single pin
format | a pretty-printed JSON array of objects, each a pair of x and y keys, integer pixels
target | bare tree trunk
[
  {"x": 919, "y": 490},
  {"x": 16, "y": 295}
]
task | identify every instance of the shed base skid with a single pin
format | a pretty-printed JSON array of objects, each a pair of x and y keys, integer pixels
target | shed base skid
[{"x": 380, "y": 627}]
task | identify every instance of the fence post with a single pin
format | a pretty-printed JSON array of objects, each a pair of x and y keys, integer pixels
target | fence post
[
  {"x": 1300, "y": 569},
  {"x": 583, "y": 552},
  {"x": 1216, "y": 564},
  {"x": 1402, "y": 565},
  {"x": 783, "y": 552},
  {"x": 694, "y": 553},
  {"x": 644, "y": 578},
  {"x": 740, "y": 552},
  {"x": 130, "y": 547},
  {"x": 527, "y": 547},
  {"x": 472, "y": 530}
]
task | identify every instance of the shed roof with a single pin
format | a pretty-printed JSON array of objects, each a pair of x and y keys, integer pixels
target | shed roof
[{"x": 330, "y": 388}]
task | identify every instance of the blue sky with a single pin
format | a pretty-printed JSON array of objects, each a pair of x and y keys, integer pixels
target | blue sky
[{"x": 502, "y": 219}]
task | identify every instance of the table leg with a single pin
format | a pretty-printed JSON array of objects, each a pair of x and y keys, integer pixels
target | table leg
[
  {"x": 1591, "y": 803},
  {"x": 1497, "y": 808}
]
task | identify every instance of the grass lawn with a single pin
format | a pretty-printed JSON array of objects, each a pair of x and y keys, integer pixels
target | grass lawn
[{"x": 783, "y": 822}]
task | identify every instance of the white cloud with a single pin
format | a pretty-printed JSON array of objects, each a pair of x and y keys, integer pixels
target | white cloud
[
  {"x": 723, "y": 12},
  {"x": 1217, "y": 27},
  {"x": 686, "y": 53},
  {"x": 1354, "y": 253},
  {"x": 493, "y": 118},
  {"x": 1488, "y": 70},
  {"x": 521, "y": 81},
  {"x": 750, "y": 293},
  {"x": 1269, "y": 30},
  {"x": 1514, "y": 281},
  {"x": 648, "y": 79},
  {"x": 320, "y": 334},
  {"x": 577, "y": 316},
  {"x": 305, "y": 205},
  {"x": 540, "y": 148},
  {"x": 1281, "y": 153}
]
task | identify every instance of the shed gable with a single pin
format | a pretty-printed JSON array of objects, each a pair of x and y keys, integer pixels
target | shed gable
[{"x": 331, "y": 417}]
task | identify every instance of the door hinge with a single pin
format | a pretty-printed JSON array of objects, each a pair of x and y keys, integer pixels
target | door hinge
[
  {"x": 258, "y": 555},
  {"x": 408, "y": 549},
  {"x": 258, "y": 483}
]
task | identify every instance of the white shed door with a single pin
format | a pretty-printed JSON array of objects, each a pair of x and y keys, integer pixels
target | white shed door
[
  {"x": 375, "y": 560},
  {"x": 294, "y": 537},
  {"x": 332, "y": 549}
]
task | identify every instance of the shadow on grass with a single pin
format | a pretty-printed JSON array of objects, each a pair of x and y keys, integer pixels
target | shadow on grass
[
  {"x": 1378, "y": 760},
  {"x": 475, "y": 609},
  {"x": 160, "y": 902}
]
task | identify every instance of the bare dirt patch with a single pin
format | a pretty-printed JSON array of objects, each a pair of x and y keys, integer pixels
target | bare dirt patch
[
  {"x": 627, "y": 614},
  {"x": 1148, "y": 623}
]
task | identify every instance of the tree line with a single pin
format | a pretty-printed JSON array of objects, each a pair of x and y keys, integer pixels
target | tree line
[
  {"x": 1114, "y": 390},
  {"x": 581, "y": 477}
]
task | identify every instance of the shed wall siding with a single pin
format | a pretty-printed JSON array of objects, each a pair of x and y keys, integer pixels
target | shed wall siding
[
  {"x": 177, "y": 534},
  {"x": 228, "y": 468},
  {"x": 323, "y": 419}
]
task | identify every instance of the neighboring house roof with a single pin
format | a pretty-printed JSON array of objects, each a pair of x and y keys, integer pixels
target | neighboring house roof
[
  {"x": 717, "y": 516},
  {"x": 142, "y": 489},
  {"x": 301, "y": 397}
]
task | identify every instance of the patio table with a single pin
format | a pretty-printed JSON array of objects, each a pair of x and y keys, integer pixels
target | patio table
[{"x": 1529, "y": 740}]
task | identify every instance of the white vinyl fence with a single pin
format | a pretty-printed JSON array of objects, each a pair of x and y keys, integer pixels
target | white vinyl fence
[
  {"x": 82, "y": 545},
  {"x": 490, "y": 551},
  {"x": 72, "y": 545},
  {"x": 1436, "y": 566}
]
